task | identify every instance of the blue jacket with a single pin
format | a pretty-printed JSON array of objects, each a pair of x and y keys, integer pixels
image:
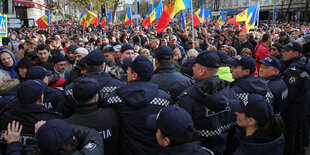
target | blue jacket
[
  {"x": 297, "y": 80},
  {"x": 168, "y": 79},
  {"x": 192, "y": 148},
  {"x": 10, "y": 70},
  {"x": 250, "y": 84},
  {"x": 279, "y": 90},
  {"x": 107, "y": 85},
  {"x": 207, "y": 102},
  {"x": 134, "y": 103},
  {"x": 258, "y": 145}
]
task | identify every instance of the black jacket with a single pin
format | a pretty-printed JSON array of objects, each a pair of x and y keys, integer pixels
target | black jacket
[
  {"x": 247, "y": 44},
  {"x": 192, "y": 148},
  {"x": 104, "y": 120}
]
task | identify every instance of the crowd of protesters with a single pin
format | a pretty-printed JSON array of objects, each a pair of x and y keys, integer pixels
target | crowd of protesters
[{"x": 128, "y": 90}]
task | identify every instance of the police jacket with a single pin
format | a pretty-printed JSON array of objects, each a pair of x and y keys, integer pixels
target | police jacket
[
  {"x": 107, "y": 84},
  {"x": 168, "y": 79},
  {"x": 192, "y": 148},
  {"x": 207, "y": 102},
  {"x": 258, "y": 145},
  {"x": 297, "y": 80},
  {"x": 53, "y": 99},
  {"x": 279, "y": 90},
  {"x": 27, "y": 115},
  {"x": 89, "y": 143},
  {"x": 250, "y": 84},
  {"x": 134, "y": 103},
  {"x": 104, "y": 120}
]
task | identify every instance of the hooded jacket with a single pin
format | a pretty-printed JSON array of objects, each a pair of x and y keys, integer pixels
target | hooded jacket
[
  {"x": 10, "y": 70},
  {"x": 258, "y": 145},
  {"x": 207, "y": 102},
  {"x": 250, "y": 84},
  {"x": 193, "y": 148},
  {"x": 134, "y": 103}
]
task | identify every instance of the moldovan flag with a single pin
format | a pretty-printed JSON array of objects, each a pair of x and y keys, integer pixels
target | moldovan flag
[
  {"x": 147, "y": 19},
  {"x": 128, "y": 19},
  {"x": 91, "y": 18},
  {"x": 171, "y": 8},
  {"x": 183, "y": 20},
  {"x": 198, "y": 17},
  {"x": 103, "y": 22},
  {"x": 44, "y": 21},
  {"x": 243, "y": 16},
  {"x": 109, "y": 16},
  {"x": 221, "y": 20},
  {"x": 207, "y": 15},
  {"x": 253, "y": 14}
]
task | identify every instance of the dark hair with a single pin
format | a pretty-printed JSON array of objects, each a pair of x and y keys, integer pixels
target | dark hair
[
  {"x": 144, "y": 77},
  {"x": 266, "y": 36},
  {"x": 191, "y": 135},
  {"x": 273, "y": 128},
  {"x": 164, "y": 62},
  {"x": 43, "y": 47},
  {"x": 64, "y": 150}
]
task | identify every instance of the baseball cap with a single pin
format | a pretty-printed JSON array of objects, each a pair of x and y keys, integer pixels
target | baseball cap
[
  {"x": 85, "y": 89},
  {"x": 30, "y": 91},
  {"x": 81, "y": 50},
  {"x": 95, "y": 58},
  {"x": 245, "y": 61},
  {"x": 173, "y": 37},
  {"x": 117, "y": 47},
  {"x": 141, "y": 65},
  {"x": 254, "y": 105},
  {"x": 207, "y": 58},
  {"x": 52, "y": 135},
  {"x": 164, "y": 53},
  {"x": 37, "y": 72},
  {"x": 171, "y": 120},
  {"x": 222, "y": 55},
  {"x": 293, "y": 46},
  {"x": 126, "y": 47},
  {"x": 271, "y": 61}
]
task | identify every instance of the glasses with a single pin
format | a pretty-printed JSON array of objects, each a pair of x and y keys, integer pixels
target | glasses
[{"x": 273, "y": 49}]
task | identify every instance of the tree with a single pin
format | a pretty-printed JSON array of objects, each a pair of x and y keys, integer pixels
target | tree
[
  {"x": 96, "y": 4},
  {"x": 115, "y": 5}
]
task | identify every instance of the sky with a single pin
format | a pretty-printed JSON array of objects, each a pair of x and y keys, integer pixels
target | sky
[{"x": 129, "y": 1}]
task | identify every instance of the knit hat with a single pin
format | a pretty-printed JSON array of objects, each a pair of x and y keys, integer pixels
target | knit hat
[
  {"x": 72, "y": 48},
  {"x": 58, "y": 57},
  {"x": 24, "y": 62}
]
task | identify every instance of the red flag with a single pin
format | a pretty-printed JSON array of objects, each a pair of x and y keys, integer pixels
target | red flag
[{"x": 103, "y": 22}]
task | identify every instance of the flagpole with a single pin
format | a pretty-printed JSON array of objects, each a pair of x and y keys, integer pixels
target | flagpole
[
  {"x": 258, "y": 13},
  {"x": 192, "y": 24}
]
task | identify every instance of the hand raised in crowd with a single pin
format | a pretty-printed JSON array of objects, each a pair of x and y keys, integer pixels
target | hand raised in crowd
[
  {"x": 38, "y": 125},
  {"x": 13, "y": 132}
]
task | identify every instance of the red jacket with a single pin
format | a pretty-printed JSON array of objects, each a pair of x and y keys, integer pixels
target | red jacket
[{"x": 261, "y": 53}]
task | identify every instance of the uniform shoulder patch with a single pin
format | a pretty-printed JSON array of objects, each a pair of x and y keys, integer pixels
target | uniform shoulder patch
[
  {"x": 292, "y": 79},
  {"x": 90, "y": 146}
]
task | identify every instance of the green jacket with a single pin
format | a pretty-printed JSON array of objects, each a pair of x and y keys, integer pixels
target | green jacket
[{"x": 224, "y": 73}]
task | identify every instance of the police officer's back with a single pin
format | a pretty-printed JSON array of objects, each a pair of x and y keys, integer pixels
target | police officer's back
[
  {"x": 166, "y": 76},
  {"x": 29, "y": 110},
  {"x": 207, "y": 102},
  {"x": 104, "y": 120},
  {"x": 95, "y": 62},
  {"x": 134, "y": 102}
]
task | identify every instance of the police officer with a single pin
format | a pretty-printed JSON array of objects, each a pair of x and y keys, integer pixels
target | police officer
[
  {"x": 270, "y": 71},
  {"x": 175, "y": 132},
  {"x": 296, "y": 77},
  {"x": 207, "y": 102},
  {"x": 53, "y": 98},
  {"x": 243, "y": 67},
  {"x": 166, "y": 76},
  {"x": 29, "y": 110},
  {"x": 85, "y": 95},
  {"x": 134, "y": 102},
  {"x": 95, "y": 62}
]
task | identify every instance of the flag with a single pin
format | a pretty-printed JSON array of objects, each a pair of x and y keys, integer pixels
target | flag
[
  {"x": 207, "y": 15},
  {"x": 171, "y": 8},
  {"x": 183, "y": 19},
  {"x": 253, "y": 14},
  {"x": 89, "y": 8},
  {"x": 146, "y": 21},
  {"x": 91, "y": 18},
  {"x": 297, "y": 16},
  {"x": 81, "y": 16},
  {"x": 198, "y": 17},
  {"x": 128, "y": 19},
  {"x": 158, "y": 10},
  {"x": 141, "y": 32},
  {"x": 221, "y": 20},
  {"x": 103, "y": 22},
  {"x": 109, "y": 16},
  {"x": 243, "y": 16},
  {"x": 116, "y": 19},
  {"x": 44, "y": 21}
]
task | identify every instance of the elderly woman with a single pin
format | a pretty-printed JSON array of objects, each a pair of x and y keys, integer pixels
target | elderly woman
[{"x": 8, "y": 61}]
